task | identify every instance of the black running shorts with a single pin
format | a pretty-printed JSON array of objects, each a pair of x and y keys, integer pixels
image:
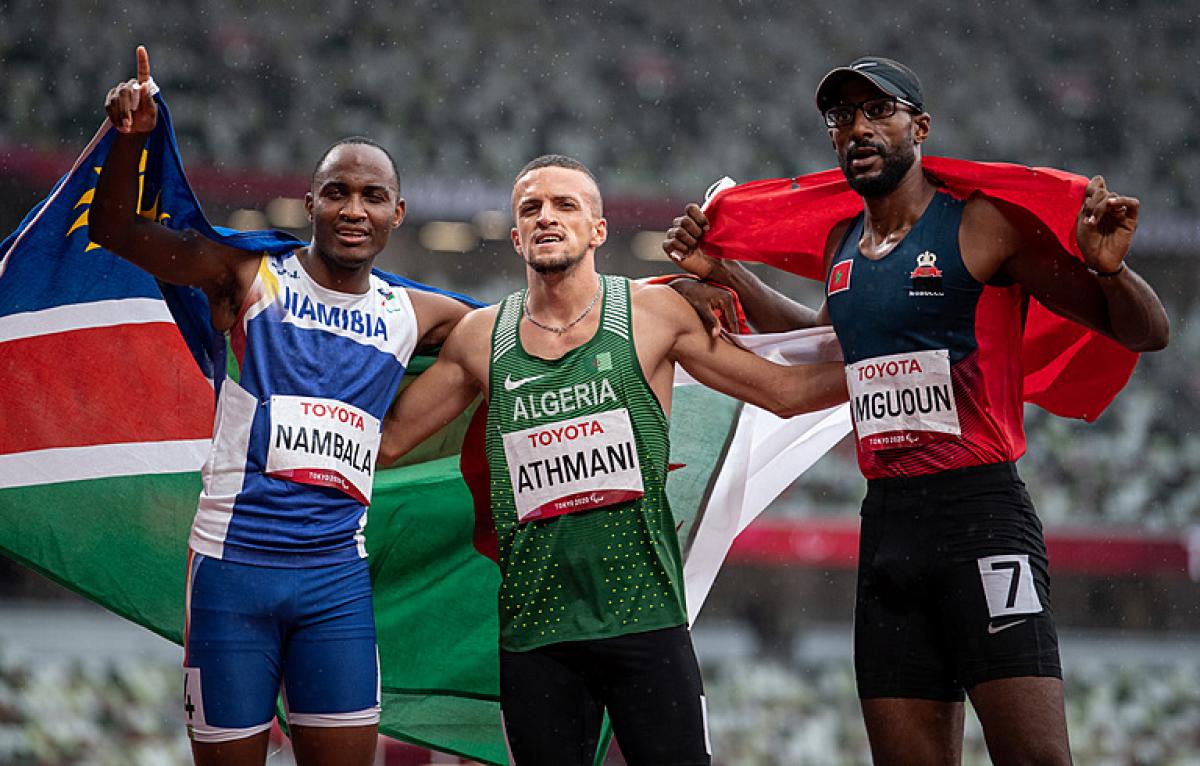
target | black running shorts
[
  {"x": 553, "y": 699},
  {"x": 953, "y": 585}
]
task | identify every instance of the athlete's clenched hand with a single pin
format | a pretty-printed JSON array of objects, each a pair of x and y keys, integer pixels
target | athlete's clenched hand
[
  {"x": 714, "y": 305},
  {"x": 1105, "y": 226},
  {"x": 682, "y": 244}
]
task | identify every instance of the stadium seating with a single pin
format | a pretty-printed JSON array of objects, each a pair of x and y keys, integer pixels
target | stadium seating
[
  {"x": 657, "y": 104},
  {"x": 762, "y": 713},
  {"x": 661, "y": 98}
]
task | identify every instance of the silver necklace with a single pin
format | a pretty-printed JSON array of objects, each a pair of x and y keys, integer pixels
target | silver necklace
[{"x": 569, "y": 325}]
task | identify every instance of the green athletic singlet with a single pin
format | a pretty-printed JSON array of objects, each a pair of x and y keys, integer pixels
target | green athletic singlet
[{"x": 577, "y": 449}]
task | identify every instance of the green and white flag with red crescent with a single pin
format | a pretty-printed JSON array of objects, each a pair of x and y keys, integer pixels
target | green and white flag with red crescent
[{"x": 106, "y": 405}]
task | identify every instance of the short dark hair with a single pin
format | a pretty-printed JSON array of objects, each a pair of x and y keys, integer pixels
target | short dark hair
[
  {"x": 562, "y": 161},
  {"x": 363, "y": 141}
]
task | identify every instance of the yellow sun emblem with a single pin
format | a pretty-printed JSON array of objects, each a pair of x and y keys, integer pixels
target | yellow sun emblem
[{"x": 85, "y": 201}]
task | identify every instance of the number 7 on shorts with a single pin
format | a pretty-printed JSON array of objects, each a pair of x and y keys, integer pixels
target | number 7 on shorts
[{"x": 1008, "y": 585}]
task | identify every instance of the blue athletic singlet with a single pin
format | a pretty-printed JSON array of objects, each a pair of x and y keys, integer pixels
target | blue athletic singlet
[
  {"x": 933, "y": 357},
  {"x": 288, "y": 479}
]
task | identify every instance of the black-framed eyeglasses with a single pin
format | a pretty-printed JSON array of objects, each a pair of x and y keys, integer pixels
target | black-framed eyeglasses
[{"x": 874, "y": 109}]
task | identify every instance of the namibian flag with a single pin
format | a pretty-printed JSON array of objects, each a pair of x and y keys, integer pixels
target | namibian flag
[{"x": 107, "y": 382}]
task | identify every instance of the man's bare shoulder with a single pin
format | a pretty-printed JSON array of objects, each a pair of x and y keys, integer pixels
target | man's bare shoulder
[
  {"x": 437, "y": 314},
  {"x": 982, "y": 214},
  {"x": 661, "y": 317},
  {"x": 469, "y": 344},
  {"x": 660, "y": 300},
  {"x": 477, "y": 324},
  {"x": 988, "y": 237},
  {"x": 835, "y": 237}
]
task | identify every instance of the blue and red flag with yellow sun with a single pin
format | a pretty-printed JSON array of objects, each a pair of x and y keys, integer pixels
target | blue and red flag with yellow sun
[{"x": 107, "y": 381}]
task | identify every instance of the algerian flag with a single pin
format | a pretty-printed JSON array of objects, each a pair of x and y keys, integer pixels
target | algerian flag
[
  {"x": 761, "y": 454},
  {"x": 107, "y": 388}
]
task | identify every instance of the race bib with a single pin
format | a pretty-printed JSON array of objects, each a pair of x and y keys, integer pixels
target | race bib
[
  {"x": 903, "y": 400},
  {"x": 323, "y": 442},
  {"x": 573, "y": 465}
]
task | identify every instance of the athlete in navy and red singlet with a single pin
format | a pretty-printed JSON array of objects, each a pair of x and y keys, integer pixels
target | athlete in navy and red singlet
[
  {"x": 933, "y": 387},
  {"x": 278, "y": 591},
  {"x": 927, "y": 295}
]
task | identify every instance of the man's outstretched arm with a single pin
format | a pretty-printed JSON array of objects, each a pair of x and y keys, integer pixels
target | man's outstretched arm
[
  {"x": 781, "y": 389},
  {"x": 1103, "y": 292},
  {"x": 442, "y": 392}
]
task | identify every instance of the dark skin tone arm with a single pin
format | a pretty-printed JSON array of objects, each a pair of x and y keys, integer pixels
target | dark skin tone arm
[
  {"x": 187, "y": 258},
  {"x": 437, "y": 315},
  {"x": 181, "y": 258},
  {"x": 1122, "y": 307}
]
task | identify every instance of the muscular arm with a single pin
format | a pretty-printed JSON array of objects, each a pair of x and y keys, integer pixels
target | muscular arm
[
  {"x": 1136, "y": 314},
  {"x": 181, "y": 258},
  {"x": 1122, "y": 307},
  {"x": 720, "y": 365},
  {"x": 442, "y": 392}
]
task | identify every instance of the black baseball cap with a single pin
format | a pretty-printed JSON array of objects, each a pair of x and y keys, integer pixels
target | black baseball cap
[{"x": 891, "y": 77}]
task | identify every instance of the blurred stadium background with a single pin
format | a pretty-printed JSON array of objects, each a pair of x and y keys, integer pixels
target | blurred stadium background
[{"x": 660, "y": 99}]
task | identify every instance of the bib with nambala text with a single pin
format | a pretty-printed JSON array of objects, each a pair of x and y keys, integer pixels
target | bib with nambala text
[{"x": 323, "y": 442}]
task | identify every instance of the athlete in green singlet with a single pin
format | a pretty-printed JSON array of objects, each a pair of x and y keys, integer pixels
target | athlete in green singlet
[
  {"x": 565, "y": 436},
  {"x": 577, "y": 372}
]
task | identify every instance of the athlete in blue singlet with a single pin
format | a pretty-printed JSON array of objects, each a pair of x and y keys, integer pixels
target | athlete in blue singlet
[
  {"x": 278, "y": 592},
  {"x": 927, "y": 296}
]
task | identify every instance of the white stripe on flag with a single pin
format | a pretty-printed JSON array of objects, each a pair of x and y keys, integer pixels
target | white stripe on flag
[
  {"x": 52, "y": 466},
  {"x": 83, "y": 316},
  {"x": 765, "y": 456},
  {"x": 813, "y": 344}
]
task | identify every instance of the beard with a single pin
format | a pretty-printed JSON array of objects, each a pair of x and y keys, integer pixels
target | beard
[
  {"x": 557, "y": 265},
  {"x": 895, "y": 165}
]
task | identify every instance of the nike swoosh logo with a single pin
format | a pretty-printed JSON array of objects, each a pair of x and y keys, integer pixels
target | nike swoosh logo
[
  {"x": 513, "y": 385},
  {"x": 994, "y": 629}
]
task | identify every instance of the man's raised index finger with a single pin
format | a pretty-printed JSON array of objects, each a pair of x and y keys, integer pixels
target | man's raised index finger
[{"x": 143, "y": 64}]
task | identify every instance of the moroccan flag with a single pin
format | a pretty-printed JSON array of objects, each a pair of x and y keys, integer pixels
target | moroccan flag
[
  {"x": 107, "y": 382},
  {"x": 839, "y": 278},
  {"x": 1069, "y": 370}
]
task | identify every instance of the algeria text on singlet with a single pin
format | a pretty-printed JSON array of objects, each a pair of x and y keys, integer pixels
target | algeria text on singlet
[{"x": 577, "y": 449}]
